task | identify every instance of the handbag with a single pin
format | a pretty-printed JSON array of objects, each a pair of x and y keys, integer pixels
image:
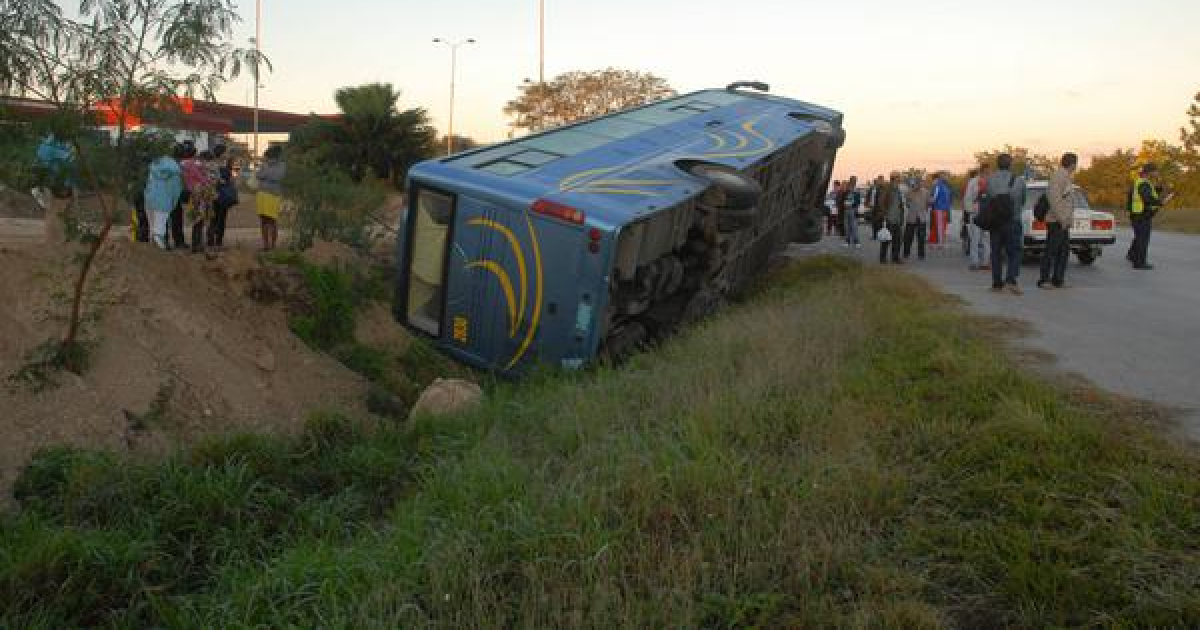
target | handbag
[{"x": 884, "y": 235}]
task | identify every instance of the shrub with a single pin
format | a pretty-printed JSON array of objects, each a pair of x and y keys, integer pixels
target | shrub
[
  {"x": 334, "y": 304},
  {"x": 328, "y": 203}
]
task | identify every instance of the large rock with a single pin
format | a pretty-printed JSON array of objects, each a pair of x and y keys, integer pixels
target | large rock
[{"x": 447, "y": 395}]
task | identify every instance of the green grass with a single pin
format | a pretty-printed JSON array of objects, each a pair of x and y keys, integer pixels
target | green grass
[
  {"x": 1183, "y": 220},
  {"x": 337, "y": 295},
  {"x": 1186, "y": 220},
  {"x": 843, "y": 450}
]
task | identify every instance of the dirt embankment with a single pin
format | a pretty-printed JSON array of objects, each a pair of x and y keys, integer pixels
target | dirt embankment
[{"x": 179, "y": 352}]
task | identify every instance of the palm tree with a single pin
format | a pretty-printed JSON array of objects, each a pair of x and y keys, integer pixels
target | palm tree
[{"x": 376, "y": 135}]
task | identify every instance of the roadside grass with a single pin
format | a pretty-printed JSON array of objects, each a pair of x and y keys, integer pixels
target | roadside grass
[
  {"x": 844, "y": 449},
  {"x": 339, "y": 293},
  {"x": 1186, "y": 220},
  {"x": 1183, "y": 220}
]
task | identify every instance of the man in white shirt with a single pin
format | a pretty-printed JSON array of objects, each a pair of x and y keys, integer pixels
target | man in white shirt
[{"x": 978, "y": 253}]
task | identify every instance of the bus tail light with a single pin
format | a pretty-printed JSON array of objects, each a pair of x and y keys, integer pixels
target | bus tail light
[
  {"x": 1039, "y": 226},
  {"x": 1102, "y": 224},
  {"x": 557, "y": 210},
  {"x": 594, "y": 236}
]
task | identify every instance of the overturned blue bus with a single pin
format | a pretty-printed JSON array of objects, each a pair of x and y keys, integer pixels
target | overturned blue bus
[{"x": 591, "y": 239}]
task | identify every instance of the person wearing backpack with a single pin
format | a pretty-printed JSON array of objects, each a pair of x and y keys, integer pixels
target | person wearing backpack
[
  {"x": 978, "y": 252},
  {"x": 1005, "y": 194},
  {"x": 1059, "y": 215}
]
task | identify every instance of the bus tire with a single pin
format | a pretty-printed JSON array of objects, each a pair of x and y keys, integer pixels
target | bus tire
[
  {"x": 741, "y": 192},
  {"x": 810, "y": 228}
]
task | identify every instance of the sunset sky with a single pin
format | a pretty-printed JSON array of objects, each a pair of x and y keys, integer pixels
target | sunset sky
[{"x": 922, "y": 82}]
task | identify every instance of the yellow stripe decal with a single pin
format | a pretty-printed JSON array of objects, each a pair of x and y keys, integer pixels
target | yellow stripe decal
[
  {"x": 721, "y": 141},
  {"x": 537, "y": 295},
  {"x": 768, "y": 143},
  {"x": 518, "y": 254},
  {"x": 741, "y": 143},
  {"x": 506, "y": 285},
  {"x": 632, "y": 182},
  {"x": 568, "y": 181},
  {"x": 616, "y": 191}
]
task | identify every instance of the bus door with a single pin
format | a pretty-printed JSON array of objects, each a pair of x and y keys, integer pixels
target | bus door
[
  {"x": 428, "y": 252},
  {"x": 483, "y": 285}
]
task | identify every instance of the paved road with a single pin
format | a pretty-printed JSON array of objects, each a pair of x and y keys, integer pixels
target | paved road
[{"x": 1136, "y": 333}]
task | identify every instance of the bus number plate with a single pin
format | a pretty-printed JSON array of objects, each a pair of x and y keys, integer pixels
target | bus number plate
[{"x": 460, "y": 329}]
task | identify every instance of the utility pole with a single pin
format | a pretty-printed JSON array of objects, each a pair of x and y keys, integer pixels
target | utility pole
[{"x": 453, "y": 69}]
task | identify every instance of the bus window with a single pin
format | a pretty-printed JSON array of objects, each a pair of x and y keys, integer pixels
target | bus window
[{"x": 435, "y": 213}]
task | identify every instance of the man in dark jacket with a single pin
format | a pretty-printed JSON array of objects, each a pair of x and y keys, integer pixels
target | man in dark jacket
[
  {"x": 875, "y": 203},
  {"x": 1006, "y": 238},
  {"x": 188, "y": 151},
  {"x": 1144, "y": 202},
  {"x": 890, "y": 204},
  {"x": 227, "y": 197}
]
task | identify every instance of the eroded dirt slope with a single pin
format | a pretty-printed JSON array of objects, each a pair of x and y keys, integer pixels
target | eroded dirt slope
[{"x": 180, "y": 351}]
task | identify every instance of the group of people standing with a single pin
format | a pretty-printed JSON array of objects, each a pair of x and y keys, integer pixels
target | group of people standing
[
  {"x": 905, "y": 211},
  {"x": 201, "y": 187},
  {"x": 927, "y": 222},
  {"x": 191, "y": 185}
]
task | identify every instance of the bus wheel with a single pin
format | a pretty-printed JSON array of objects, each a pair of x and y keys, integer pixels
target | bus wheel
[
  {"x": 623, "y": 343},
  {"x": 741, "y": 192},
  {"x": 810, "y": 227}
]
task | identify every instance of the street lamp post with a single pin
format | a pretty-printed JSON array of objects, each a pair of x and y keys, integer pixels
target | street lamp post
[
  {"x": 541, "y": 41},
  {"x": 257, "y": 53},
  {"x": 453, "y": 67}
]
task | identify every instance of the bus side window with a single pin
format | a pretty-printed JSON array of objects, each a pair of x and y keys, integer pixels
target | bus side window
[{"x": 435, "y": 213}]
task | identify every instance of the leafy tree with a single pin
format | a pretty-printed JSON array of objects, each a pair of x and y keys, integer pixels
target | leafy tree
[
  {"x": 1024, "y": 161},
  {"x": 1190, "y": 135},
  {"x": 461, "y": 143},
  {"x": 382, "y": 137},
  {"x": 1189, "y": 184},
  {"x": 141, "y": 53},
  {"x": 579, "y": 95},
  {"x": 372, "y": 136},
  {"x": 1106, "y": 180}
]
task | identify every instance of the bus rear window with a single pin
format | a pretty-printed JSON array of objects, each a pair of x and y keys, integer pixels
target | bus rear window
[{"x": 435, "y": 214}]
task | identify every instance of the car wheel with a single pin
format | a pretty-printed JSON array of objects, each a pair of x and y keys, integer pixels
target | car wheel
[{"x": 1086, "y": 256}]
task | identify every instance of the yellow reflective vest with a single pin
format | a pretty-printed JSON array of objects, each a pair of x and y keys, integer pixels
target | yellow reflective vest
[{"x": 1137, "y": 205}]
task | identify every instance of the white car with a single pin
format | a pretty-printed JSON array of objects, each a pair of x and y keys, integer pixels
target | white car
[{"x": 1090, "y": 231}]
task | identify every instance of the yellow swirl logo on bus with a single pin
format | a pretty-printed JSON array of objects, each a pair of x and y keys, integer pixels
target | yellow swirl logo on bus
[
  {"x": 516, "y": 295},
  {"x": 735, "y": 144},
  {"x": 743, "y": 143}
]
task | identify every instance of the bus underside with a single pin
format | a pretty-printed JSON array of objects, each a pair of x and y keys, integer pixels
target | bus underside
[{"x": 679, "y": 265}]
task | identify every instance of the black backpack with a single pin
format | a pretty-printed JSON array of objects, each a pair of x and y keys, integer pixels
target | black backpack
[
  {"x": 1041, "y": 208},
  {"x": 998, "y": 209}
]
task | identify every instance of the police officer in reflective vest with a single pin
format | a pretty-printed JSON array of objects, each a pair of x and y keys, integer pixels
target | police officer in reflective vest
[{"x": 1144, "y": 203}]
